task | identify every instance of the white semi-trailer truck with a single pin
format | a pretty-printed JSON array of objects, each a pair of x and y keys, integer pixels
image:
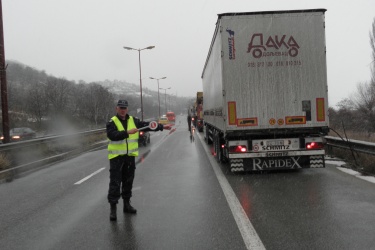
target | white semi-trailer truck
[{"x": 265, "y": 90}]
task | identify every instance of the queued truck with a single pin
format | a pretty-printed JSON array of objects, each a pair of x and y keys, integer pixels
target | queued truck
[
  {"x": 265, "y": 90},
  {"x": 198, "y": 106}
]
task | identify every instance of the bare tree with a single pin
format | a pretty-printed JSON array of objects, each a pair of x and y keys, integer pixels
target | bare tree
[
  {"x": 58, "y": 94},
  {"x": 107, "y": 106},
  {"x": 364, "y": 102},
  {"x": 37, "y": 105},
  {"x": 95, "y": 103},
  {"x": 96, "y": 95},
  {"x": 346, "y": 116},
  {"x": 77, "y": 98}
]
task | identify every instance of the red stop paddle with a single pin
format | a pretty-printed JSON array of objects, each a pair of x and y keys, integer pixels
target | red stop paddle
[{"x": 153, "y": 125}]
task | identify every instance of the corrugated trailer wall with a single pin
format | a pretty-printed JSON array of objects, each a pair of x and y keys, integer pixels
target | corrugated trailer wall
[{"x": 213, "y": 85}]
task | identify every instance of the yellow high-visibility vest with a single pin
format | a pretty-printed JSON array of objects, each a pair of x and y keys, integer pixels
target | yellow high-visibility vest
[{"x": 128, "y": 146}]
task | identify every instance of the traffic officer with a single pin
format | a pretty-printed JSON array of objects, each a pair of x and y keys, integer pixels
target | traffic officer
[{"x": 122, "y": 132}]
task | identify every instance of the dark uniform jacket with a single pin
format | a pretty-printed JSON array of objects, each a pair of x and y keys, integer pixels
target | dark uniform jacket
[{"x": 114, "y": 135}]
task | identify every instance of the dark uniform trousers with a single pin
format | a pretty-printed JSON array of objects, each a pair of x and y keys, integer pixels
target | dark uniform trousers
[{"x": 121, "y": 171}]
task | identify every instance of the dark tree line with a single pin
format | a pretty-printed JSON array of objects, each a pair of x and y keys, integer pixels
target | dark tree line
[{"x": 47, "y": 103}]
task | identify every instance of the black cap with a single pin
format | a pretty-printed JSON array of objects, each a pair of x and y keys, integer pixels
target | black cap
[{"x": 122, "y": 103}]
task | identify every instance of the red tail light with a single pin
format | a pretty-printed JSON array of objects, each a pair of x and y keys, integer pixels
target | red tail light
[
  {"x": 238, "y": 149},
  {"x": 314, "y": 145},
  {"x": 141, "y": 133}
]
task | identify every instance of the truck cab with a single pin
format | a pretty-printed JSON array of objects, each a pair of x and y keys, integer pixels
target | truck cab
[{"x": 171, "y": 117}]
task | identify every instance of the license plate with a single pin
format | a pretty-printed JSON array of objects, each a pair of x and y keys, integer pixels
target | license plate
[
  {"x": 276, "y": 154},
  {"x": 275, "y": 143}
]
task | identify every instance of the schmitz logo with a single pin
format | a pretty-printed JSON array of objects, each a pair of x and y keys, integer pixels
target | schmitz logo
[
  {"x": 259, "y": 49},
  {"x": 232, "y": 50},
  {"x": 275, "y": 147}
]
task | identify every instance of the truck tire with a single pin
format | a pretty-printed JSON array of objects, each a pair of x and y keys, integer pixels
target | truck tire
[
  {"x": 215, "y": 144},
  {"x": 206, "y": 135},
  {"x": 220, "y": 156},
  {"x": 219, "y": 151},
  {"x": 207, "y": 138}
]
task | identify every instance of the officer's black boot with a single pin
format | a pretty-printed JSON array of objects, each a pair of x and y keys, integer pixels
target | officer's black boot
[
  {"x": 113, "y": 215},
  {"x": 128, "y": 208}
]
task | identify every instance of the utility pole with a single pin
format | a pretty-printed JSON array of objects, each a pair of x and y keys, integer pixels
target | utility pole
[{"x": 3, "y": 79}]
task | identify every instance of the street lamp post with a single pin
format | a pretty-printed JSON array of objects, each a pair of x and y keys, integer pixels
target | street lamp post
[
  {"x": 140, "y": 72},
  {"x": 157, "y": 79},
  {"x": 165, "y": 98}
]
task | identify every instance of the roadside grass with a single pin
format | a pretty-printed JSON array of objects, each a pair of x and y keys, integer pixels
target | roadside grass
[
  {"x": 4, "y": 164},
  {"x": 364, "y": 163}
]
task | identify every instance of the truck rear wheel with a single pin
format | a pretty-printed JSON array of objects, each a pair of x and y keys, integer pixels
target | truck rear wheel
[
  {"x": 218, "y": 149},
  {"x": 220, "y": 155},
  {"x": 207, "y": 135},
  {"x": 216, "y": 145}
]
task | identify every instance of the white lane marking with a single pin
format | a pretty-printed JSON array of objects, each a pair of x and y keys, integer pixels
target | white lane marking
[
  {"x": 249, "y": 235},
  {"x": 88, "y": 177}
]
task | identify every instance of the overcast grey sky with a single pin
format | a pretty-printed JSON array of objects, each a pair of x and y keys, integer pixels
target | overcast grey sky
[{"x": 84, "y": 39}]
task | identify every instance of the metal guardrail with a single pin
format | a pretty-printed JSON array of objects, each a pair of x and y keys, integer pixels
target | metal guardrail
[
  {"x": 47, "y": 139},
  {"x": 30, "y": 154},
  {"x": 355, "y": 145}
]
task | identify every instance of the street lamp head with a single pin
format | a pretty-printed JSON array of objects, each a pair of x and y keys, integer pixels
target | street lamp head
[
  {"x": 150, "y": 47},
  {"x": 128, "y": 48},
  {"x": 157, "y": 78}
]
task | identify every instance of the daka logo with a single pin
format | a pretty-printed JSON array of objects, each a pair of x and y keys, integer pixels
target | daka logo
[{"x": 258, "y": 48}]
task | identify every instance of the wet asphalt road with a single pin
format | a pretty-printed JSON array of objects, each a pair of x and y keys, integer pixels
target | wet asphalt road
[{"x": 182, "y": 200}]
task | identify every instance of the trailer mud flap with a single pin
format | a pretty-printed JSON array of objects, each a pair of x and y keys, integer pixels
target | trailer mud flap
[{"x": 275, "y": 163}]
